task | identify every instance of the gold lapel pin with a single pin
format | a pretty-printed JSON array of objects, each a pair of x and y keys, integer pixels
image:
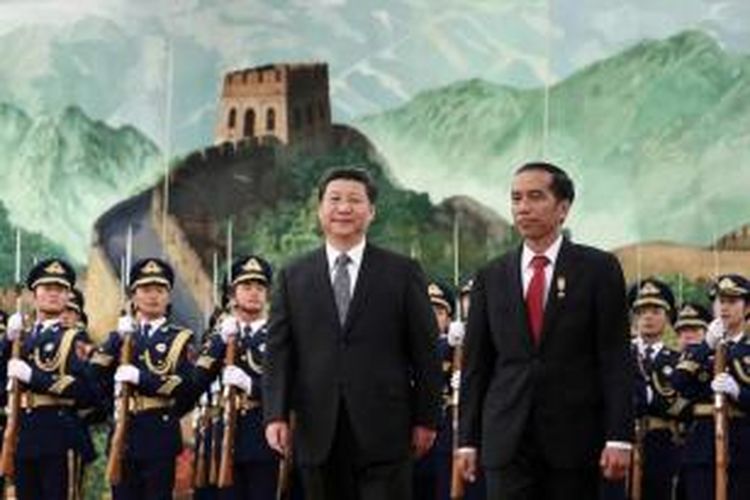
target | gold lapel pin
[{"x": 561, "y": 287}]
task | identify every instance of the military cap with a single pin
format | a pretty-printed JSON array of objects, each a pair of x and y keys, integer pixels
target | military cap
[
  {"x": 692, "y": 315},
  {"x": 51, "y": 271},
  {"x": 730, "y": 285},
  {"x": 151, "y": 271},
  {"x": 251, "y": 268},
  {"x": 651, "y": 292},
  {"x": 466, "y": 287},
  {"x": 76, "y": 301},
  {"x": 441, "y": 295}
]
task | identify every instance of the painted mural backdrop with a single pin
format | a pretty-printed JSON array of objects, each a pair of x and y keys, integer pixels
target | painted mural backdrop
[
  {"x": 164, "y": 119},
  {"x": 646, "y": 103}
]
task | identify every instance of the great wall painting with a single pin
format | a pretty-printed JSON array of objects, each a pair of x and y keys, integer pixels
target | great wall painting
[{"x": 179, "y": 118}]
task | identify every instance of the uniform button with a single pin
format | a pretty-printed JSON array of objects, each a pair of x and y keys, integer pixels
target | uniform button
[
  {"x": 28, "y": 410},
  {"x": 165, "y": 418}
]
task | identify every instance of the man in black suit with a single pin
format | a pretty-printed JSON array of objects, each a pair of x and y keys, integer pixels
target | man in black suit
[
  {"x": 351, "y": 351},
  {"x": 547, "y": 376}
]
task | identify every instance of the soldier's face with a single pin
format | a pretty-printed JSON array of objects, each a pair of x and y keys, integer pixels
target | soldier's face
[
  {"x": 651, "y": 321},
  {"x": 345, "y": 211},
  {"x": 70, "y": 318},
  {"x": 732, "y": 312},
  {"x": 151, "y": 301},
  {"x": 250, "y": 297},
  {"x": 442, "y": 317},
  {"x": 691, "y": 335},
  {"x": 51, "y": 299},
  {"x": 537, "y": 213}
]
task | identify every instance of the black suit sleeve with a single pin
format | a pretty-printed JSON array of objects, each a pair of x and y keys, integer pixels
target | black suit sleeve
[
  {"x": 614, "y": 351},
  {"x": 278, "y": 366},
  {"x": 422, "y": 334},
  {"x": 478, "y": 363}
]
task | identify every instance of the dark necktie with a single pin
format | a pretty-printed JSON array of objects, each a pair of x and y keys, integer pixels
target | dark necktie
[
  {"x": 535, "y": 297},
  {"x": 342, "y": 285},
  {"x": 146, "y": 331},
  {"x": 648, "y": 360}
]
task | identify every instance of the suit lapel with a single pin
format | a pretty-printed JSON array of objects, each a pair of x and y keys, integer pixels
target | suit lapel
[
  {"x": 361, "y": 288},
  {"x": 558, "y": 287},
  {"x": 323, "y": 283},
  {"x": 515, "y": 283}
]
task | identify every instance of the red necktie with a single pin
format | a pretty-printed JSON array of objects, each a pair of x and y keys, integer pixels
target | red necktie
[{"x": 535, "y": 297}]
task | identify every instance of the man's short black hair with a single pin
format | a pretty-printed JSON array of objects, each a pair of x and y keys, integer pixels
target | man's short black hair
[
  {"x": 561, "y": 186},
  {"x": 357, "y": 174}
]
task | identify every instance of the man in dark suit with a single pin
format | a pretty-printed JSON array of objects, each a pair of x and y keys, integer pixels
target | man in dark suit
[
  {"x": 351, "y": 351},
  {"x": 547, "y": 375}
]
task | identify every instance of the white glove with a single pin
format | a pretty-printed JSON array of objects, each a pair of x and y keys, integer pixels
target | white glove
[
  {"x": 724, "y": 383},
  {"x": 649, "y": 395},
  {"x": 20, "y": 370},
  {"x": 125, "y": 325},
  {"x": 714, "y": 333},
  {"x": 456, "y": 332},
  {"x": 15, "y": 326},
  {"x": 128, "y": 374},
  {"x": 456, "y": 380},
  {"x": 233, "y": 375},
  {"x": 228, "y": 328}
]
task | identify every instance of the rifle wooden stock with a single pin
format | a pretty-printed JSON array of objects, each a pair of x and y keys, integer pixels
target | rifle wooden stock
[
  {"x": 226, "y": 466},
  {"x": 122, "y": 418},
  {"x": 457, "y": 479},
  {"x": 213, "y": 465},
  {"x": 635, "y": 484},
  {"x": 199, "y": 478},
  {"x": 284, "y": 484},
  {"x": 10, "y": 436},
  {"x": 721, "y": 429}
]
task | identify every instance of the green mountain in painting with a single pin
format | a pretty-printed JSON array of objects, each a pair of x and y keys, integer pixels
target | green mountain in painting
[
  {"x": 656, "y": 138},
  {"x": 61, "y": 172}
]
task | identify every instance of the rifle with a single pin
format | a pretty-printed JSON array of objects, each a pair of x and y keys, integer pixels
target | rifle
[
  {"x": 201, "y": 428},
  {"x": 122, "y": 406},
  {"x": 721, "y": 430},
  {"x": 635, "y": 483},
  {"x": 213, "y": 467},
  {"x": 10, "y": 436},
  {"x": 284, "y": 484},
  {"x": 226, "y": 466},
  {"x": 457, "y": 479}
]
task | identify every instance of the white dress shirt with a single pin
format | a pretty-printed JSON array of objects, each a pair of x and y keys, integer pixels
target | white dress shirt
[
  {"x": 154, "y": 324},
  {"x": 527, "y": 270},
  {"x": 355, "y": 261}
]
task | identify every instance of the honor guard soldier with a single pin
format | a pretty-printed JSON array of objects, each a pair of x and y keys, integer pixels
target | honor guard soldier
[
  {"x": 74, "y": 316},
  {"x": 699, "y": 378},
  {"x": 691, "y": 325},
  {"x": 55, "y": 382},
  {"x": 207, "y": 419},
  {"x": 160, "y": 375},
  {"x": 657, "y": 404},
  {"x": 255, "y": 466},
  {"x": 432, "y": 473}
]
